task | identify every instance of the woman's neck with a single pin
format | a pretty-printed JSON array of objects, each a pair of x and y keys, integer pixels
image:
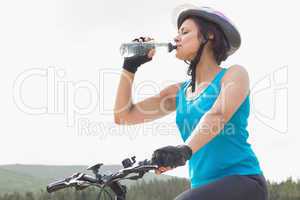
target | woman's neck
[{"x": 207, "y": 68}]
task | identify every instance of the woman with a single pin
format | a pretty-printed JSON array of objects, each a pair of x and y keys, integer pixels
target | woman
[{"x": 212, "y": 110}]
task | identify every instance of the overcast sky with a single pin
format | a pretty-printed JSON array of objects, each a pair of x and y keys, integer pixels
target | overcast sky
[{"x": 60, "y": 64}]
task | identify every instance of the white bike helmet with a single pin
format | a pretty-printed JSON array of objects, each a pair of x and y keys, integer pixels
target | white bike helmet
[{"x": 227, "y": 27}]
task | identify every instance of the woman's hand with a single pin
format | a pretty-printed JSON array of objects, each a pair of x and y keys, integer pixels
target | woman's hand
[
  {"x": 171, "y": 156},
  {"x": 146, "y": 39},
  {"x": 131, "y": 64}
]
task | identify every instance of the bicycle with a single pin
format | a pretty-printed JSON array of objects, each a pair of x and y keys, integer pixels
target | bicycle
[{"x": 82, "y": 181}]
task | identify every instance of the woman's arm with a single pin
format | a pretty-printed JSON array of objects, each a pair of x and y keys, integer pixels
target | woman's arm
[
  {"x": 126, "y": 112},
  {"x": 234, "y": 90}
]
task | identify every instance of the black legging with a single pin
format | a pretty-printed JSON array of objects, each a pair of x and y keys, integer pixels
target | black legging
[{"x": 236, "y": 187}]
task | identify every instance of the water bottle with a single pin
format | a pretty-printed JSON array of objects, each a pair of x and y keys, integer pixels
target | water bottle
[{"x": 142, "y": 48}]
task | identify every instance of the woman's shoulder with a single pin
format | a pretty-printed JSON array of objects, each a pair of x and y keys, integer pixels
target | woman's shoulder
[{"x": 236, "y": 73}]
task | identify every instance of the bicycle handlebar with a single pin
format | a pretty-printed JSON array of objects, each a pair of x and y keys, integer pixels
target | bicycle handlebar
[
  {"x": 82, "y": 181},
  {"x": 76, "y": 180},
  {"x": 57, "y": 185}
]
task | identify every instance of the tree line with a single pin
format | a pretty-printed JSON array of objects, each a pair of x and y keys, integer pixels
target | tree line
[{"x": 152, "y": 190}]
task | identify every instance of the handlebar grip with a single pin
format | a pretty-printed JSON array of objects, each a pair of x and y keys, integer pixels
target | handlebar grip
[{"x": 57, "y": 185}]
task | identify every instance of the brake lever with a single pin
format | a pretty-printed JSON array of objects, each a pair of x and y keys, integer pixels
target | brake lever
[
  {"x": 74, "y": 180},
  {"x": 75, "y": 177},
  {"x": 140, "y": 170}
]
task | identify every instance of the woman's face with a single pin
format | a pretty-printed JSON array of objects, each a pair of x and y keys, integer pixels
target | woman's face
[{"x": 187, "y": 40}]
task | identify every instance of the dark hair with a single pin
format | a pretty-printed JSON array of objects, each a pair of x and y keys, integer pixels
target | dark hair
[{"x": 220, "y": 44}]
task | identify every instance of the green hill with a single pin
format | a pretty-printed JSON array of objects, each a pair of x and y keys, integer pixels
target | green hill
[
  {"x": 21, "y": 178},
  {"x": 45, "y": 172},
  {"x": 12, "y": 181}
]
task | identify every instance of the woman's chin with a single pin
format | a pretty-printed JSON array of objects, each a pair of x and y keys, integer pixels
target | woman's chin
[{"x": 179, "y": 56}]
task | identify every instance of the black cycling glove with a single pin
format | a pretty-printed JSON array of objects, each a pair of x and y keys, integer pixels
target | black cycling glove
[
  {"x": 172, "y": 156},
  {"x": 131, "y": 64}
]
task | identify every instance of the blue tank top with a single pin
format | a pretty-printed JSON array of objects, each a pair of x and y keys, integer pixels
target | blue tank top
[{"x": 228, "y": 153}]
